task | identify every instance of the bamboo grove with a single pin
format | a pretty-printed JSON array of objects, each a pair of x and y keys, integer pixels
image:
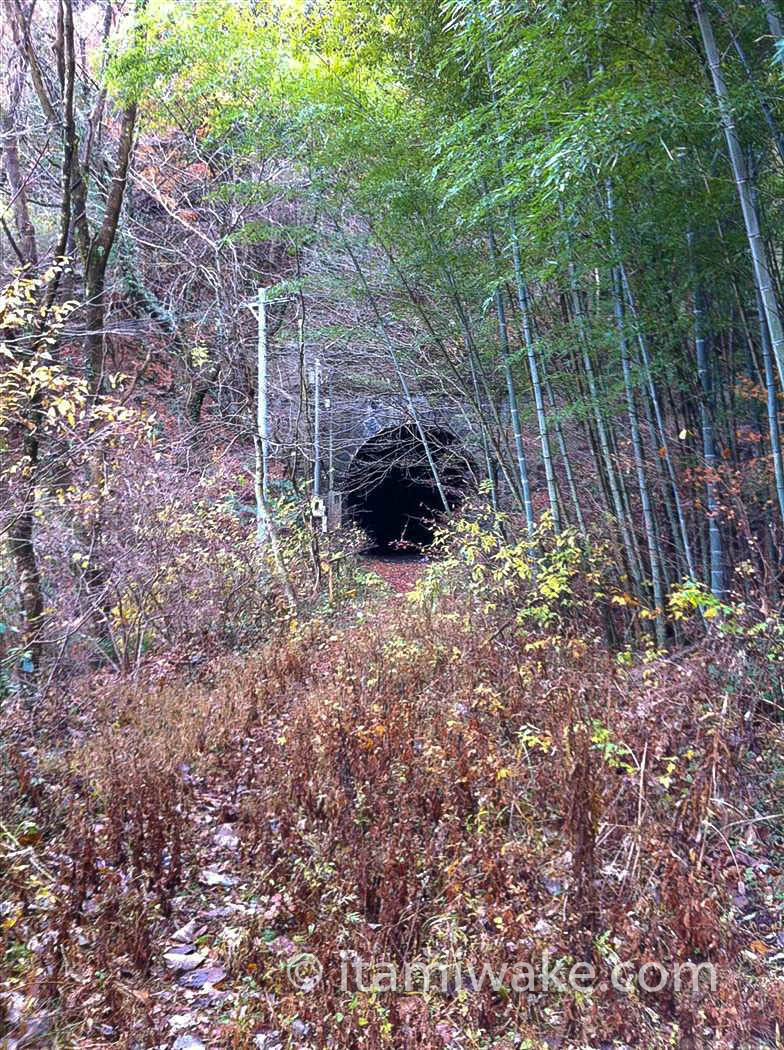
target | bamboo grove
[
  {"x": 559, "y": 216},
  {"x": 572, "y": 208}
]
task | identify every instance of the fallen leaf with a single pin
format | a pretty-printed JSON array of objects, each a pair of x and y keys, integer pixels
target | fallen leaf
[
  {"x": 226, "y": 836},
  {"x": 199, "y": 978},
  {"x": 216, "y": 878},
  {"x": 183, "y": 962},
  {"x": 188, "y": 1042},
  {"x": 178, "y": 1021},
  {"x": 186, "y": 932}
]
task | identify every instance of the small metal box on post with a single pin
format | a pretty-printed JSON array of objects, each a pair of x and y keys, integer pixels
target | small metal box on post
[
  {"x": 318, "y": 511},
  {"x": 334, "y": 510}
]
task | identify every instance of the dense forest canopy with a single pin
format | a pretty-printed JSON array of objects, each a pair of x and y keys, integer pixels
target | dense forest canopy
[{"x": 391, "y": 475}]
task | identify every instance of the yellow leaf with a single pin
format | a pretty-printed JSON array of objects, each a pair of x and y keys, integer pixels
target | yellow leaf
[{"x": 759, "y": 947}]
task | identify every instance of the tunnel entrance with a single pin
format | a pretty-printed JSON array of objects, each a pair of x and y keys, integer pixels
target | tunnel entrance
[{"x": 391, "y": 492}]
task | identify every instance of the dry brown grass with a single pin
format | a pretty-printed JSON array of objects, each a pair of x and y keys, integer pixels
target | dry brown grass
[{"x": 428, "y": 785}]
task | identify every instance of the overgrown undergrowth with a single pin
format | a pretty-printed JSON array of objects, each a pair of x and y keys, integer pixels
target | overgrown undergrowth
[{"x": 439, "y": 781}]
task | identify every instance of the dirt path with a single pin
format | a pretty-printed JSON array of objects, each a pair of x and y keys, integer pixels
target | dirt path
[{"x": 401, "y": 573}]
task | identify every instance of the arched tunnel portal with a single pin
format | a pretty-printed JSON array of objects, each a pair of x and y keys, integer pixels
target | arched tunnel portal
[{"x": 390, "y": 490}]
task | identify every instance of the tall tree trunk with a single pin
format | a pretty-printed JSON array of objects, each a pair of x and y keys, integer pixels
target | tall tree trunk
[
  {"x": 18, "y": 192},
  {"x": 762, "y": 273},
  {"x": 21, "y": 541},
  {"x": 654, "y": 555},
  {"x": 489, "y": 465},
  {"x": 652, "y": 541},
  {"x": 774, "y": 20},
  {"x": 511, "y": 393},
  {"x": 97, "y": 254},
  {"x": 771, "y": 393},
  {"x": 22, "y": 532},
  {"x": 601, "y": 430},
  {"x": 682, "y": 532},
  {"x": 773, "y": 409},
  {"x": 502, "y": 451},
  {"x": 536, "y": 383},
  {"x": 522, "y": 298},
  {"x": 565, "y": 458},
  {"x": 705, "y": 374},
  {"x": 767, "y": 112},
  {"x": 663, "y": 487}
]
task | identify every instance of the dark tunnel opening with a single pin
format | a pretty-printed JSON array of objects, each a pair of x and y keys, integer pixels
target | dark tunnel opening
[{"x": 391, "y": 492}]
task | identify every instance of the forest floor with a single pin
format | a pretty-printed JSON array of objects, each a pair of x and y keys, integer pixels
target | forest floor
[{"x": 185, "y": 855}]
